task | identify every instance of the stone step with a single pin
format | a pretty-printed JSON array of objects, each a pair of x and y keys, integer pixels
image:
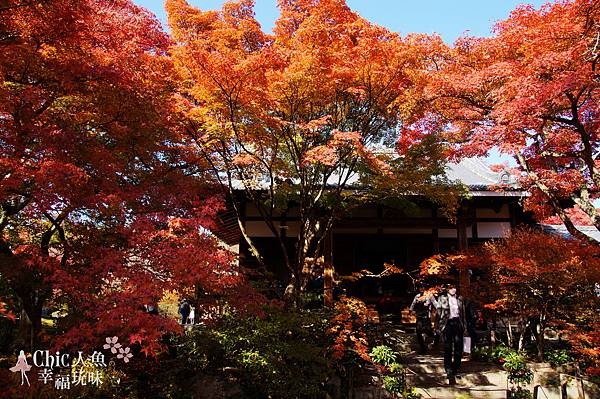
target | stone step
[
  {"x": 477, "y": 380},
  {"x": 454, "y": 393}
]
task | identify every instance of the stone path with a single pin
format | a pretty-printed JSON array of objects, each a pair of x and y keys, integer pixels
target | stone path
[
  {"x": 478, "y": 380},
  {"x": 426, "y": 372}
]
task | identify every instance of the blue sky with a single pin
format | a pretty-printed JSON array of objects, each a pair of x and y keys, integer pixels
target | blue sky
[{"x": 449, "y": 18}]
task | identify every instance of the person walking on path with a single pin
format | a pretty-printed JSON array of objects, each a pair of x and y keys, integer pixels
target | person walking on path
[
  {"x": 422, "y": 305},
  {"x": 473, "y": 317},
  {"x": 453, "y": 326},
  {"x": 184, "y": 310}
]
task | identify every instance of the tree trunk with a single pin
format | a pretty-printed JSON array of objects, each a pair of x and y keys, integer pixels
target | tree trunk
[
  {"x": 33, "y": 310},
  {"x": 24, "y": 332},
  {"x": 328, "y": 285},
  {"x": 36, "y": 327},
  {"x": 493, "y": 332},
  {"x": 554, "y": 201},
  {"x": 522, "y": 335},
  {"x": 290, "y": 296},
  {"x": 539, "y": 340}
]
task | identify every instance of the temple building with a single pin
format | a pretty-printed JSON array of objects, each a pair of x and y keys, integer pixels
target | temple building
[{"x": 403, "y": 235}]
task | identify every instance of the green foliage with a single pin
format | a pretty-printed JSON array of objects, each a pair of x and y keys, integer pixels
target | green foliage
[
  {"x": 517, "y": 368},
  {"x": 513, "y": 362},
  {"x": 393, "y": 384},
  {"x": 496, "y": 354},
  {"x": 281, "y": 353},
  {"x": 412, "y": 394},
  {"x": 481, "y": 353},
  {"x": 311, "y": 300},
  {"x": 383, "y": 355},
  {"x": 396, "y": 368},
  {"x": 558, "y": 357},
  {"x": 520, "y": 393}
]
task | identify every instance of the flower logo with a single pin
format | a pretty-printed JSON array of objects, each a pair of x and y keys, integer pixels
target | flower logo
[
  {"x": 125, "y": 354},
  {"x": 112, "y": 344}
]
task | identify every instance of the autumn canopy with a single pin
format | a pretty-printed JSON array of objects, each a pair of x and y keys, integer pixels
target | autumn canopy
[
  {"x": 291, "y": 119},
  {"x": 531, "y": 91}
]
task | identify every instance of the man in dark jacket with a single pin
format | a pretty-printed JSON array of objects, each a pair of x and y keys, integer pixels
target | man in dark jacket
[
  {"x": 422, "y": 305},
  {"x": 184, "y": 310},
  {"x": 452, "y": 324}
]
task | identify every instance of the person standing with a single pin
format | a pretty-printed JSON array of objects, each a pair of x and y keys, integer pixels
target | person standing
[
  {"x": 453, "y": 326},
  {"x": 184, "y": 310},
  {"x": 422, "y": 305},
  {"x": 192, "y": 316},
  {"x": 473, "y": 314}
]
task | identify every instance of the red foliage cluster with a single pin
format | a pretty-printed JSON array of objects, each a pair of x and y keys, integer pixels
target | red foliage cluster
[
  {"x": 101, "y": 211},
  {"x": 6, "y": 312},
  {"x": 585, "y": 339},
  {"x": 577, "y": 216},
  {"x": 347, "y": 329},
  {"x": 531, "y": 91},
  {"x": 542, "y": 280}
]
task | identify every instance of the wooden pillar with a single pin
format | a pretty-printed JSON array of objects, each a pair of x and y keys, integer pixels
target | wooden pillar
[
  {"x": 328, "y": 270},
  {"x": 436, "y": 231},
  {"x": 463, "y": 245},
  {"x": 463, "y": 241},
  {"x": 512, "y": 211},
  {"x": 379, "y": 219}
]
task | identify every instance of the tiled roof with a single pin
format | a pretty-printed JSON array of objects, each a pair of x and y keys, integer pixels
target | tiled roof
[
  {"x": 475, "y": 173},
  {"x": 560, "y": 229}
]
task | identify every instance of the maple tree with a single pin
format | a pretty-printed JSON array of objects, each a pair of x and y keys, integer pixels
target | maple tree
[
  {"x": 536, "y": 280},
  {"x": 542, "y": 279},
  {"x": 347, "y": 329},
  {"x": 293, "y": 120},
  {"x": 576, "y": 215},
  {"x": 585, "y": 340},
  {"x": 531, "y": 91},
  {"x": 99, "y": 211}
]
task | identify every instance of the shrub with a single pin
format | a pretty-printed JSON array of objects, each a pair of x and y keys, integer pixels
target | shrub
[
  {"x": 520, "y": 393},
  {"x": 497, "y": 354},
  {"x": 348, "y": 330},
  {"x": 281, "y": 353},
  {"x": 517, "y": 368},
  {"x": 558, "y": 357},
  {"x": 383, "y": 355},
  {"x": 395, "y": 382}
]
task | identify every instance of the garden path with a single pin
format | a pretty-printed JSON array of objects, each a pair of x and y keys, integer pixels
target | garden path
[
  {"x": 479, "y": 380},
  {"x": 426, "y": 372}
]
